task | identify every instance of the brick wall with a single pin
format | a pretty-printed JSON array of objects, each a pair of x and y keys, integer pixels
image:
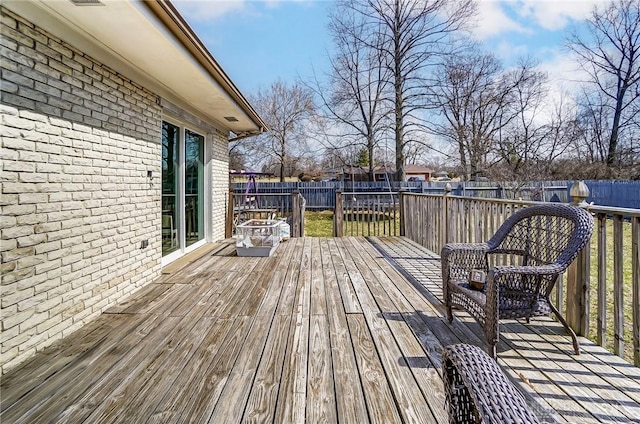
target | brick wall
[
  {"x": 219, "y": 185},
  {"x": 76, "y": 143}
]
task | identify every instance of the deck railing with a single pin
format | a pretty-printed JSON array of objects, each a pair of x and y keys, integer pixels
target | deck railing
[
  {"x": 600, "y": 294},
  {"x": 366, "y": 214},
  {"x": 246, "y": 206}
]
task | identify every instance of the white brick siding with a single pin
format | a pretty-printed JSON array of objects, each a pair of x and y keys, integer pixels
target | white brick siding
[
  {"x": 219, "y": 185},
  {"x": 76, "y": 143}
]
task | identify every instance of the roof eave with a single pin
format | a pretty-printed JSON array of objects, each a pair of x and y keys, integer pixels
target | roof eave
[{"x": 167, "y": 13}]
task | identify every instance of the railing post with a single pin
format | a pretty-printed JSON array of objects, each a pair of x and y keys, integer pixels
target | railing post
[
  {"x": 338, "y": 214},
  {"x": 228, "y": 231},
  {"x": 401, "y": 195},
  {"x": 444, "y": 216},
  {"x": 578, "y": 275},
  {"x": 295, "y": 214},
  {"x": 635, "y": 288}
]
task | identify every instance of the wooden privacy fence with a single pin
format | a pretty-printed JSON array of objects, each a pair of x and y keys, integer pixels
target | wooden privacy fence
[
  {"x": 321, "y": 195},
  {"x": 601, "y": 292},
  {"x": 246, "y": 206}
]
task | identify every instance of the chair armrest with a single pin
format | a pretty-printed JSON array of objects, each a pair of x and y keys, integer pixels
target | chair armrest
[
  {"x": 459, "y": 258},
  {"x": 503, "y": 275},
  {"x": 500, "y": 275},
  {"x": 529, "y": 270},
  {"x": 476, "y": 389}
]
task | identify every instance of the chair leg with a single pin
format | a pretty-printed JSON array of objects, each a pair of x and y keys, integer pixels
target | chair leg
[
  {"x": 492, "y": 350},
  {"x": 574, "y": 338},
  {"x": 449, "y": 313}
]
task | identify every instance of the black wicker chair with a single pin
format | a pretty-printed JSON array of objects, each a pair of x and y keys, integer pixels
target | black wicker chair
[
  {"x": 477, "y": 391},
  {"x": 522, "y": 262}
]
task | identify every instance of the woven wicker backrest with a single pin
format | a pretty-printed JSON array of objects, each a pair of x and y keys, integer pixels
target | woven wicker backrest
[{"x": 544, "y": 234}]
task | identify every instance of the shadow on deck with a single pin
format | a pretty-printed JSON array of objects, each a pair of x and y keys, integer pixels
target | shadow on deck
[{"x": 335, "y": 330}]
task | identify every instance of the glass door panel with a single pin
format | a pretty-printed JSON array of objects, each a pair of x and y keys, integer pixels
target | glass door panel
[
  {"x": 194, "y": 187},
  {"x": 170, "y": 179}
]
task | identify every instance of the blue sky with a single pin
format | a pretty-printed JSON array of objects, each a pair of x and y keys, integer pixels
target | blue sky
[
  {"x": 260, "y": 41},
  {"x": 257, "y": 42}
]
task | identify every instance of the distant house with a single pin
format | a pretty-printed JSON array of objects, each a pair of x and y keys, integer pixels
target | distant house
[
  {"x": 417, "y": 172},
  {"x": 384, "y": 173},
  {"x": 115, "y": 121},
  {"x": 354, "y": 173}
]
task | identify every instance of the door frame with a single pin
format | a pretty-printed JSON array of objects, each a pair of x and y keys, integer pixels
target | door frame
[{"x": 181, "y": 204}]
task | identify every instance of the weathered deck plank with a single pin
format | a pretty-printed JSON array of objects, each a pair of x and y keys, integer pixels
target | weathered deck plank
[
  {"x": 539, "y": 357},
  {"x": 263, "y": 395},
  {"x": 182, "y": 397},
  {"x": 261, "y": 305},
  {"x": 43, "y": 367},
  {"x": 328, "y": 330},
  {"x": 377, "y": 393},
  {"x": 375, "y": 303},
  {"x": 349, "y": 395},
  {"x": 291, "y": 406}
]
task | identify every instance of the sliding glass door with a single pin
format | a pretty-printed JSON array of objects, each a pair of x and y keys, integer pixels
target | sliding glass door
[
  {"x": 170, "y": 187},
  {"x": 194, "y": 187},
  {"x": 183, "y": 194}
]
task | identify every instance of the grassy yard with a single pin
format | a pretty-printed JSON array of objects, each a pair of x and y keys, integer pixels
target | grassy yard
[{"x": 320, "y": 224}]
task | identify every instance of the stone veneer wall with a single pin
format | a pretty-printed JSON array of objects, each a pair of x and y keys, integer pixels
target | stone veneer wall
[{"x": 77, "y": 140}]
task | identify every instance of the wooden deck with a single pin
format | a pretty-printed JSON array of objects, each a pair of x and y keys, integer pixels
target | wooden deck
[{"x": 327, "y": 330}]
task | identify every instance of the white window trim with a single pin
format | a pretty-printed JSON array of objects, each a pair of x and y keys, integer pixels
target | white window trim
[{"x": 183, "y": 125}]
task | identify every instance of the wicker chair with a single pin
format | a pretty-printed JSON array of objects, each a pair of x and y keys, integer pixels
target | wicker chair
[
  {"x": 522, "y": 262},
  {"x": 477, "y": 391}
]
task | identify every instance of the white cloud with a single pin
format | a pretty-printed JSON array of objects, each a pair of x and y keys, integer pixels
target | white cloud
[
  {"x": 204, "y": 10},
  {"x": 555, "y": 14},
  {"x": 207, "y": 10},
  {"x": 496, "y": 17},
  {"x": 508, "y": 50},
  {"x": 565, "y": 75},
  {"x": 493, "y": 20}
]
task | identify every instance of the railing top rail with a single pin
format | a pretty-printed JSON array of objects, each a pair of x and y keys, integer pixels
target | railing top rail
[
  {"x": 261, "y": 194},
  {"x": 591, "y": 208},
  {"x": 507, "y": 187},
  {"x": 478, "y": 199},
  {"x": 614, "y": 211},
  {"x": 369, "y": 193}
]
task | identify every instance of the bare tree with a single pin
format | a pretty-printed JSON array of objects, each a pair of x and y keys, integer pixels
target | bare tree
[
  {"x": 562, "y": 131},
  {"x": 593, "y": 118},
  {"x": 354, "y": 101},
  {"x": 487, "y": 112},
  {"x": 521, "y": 144},
  {"x": 609, "y": 51},
  {"x": 411, "y": 35},
  {"x": 284, "y": 108}
]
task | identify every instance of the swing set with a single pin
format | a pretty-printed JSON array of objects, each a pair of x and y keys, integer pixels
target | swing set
[{"x": 250, "y": 206}]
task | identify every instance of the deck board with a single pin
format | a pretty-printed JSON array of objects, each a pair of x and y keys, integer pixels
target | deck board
[
  {"x": 539, "y": 356},
  {"x": 349, "y": 395},
  {"x": 344, "y": 330}
]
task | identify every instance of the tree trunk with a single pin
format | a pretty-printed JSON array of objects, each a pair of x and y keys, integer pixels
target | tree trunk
[
  {"x": 463, "y": 159},
  {"x": 370, "y": 144},
  {"x": 399, "y": 107},
  {"x": 283, "y": 156},
  {"x": 613, "y": 139}
]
